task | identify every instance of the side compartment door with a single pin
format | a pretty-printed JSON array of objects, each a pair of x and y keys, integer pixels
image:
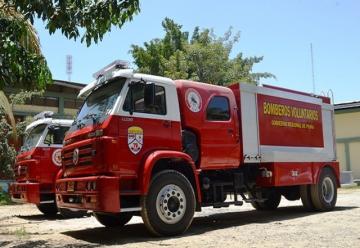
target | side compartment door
[{"x": 249, "y": 124}]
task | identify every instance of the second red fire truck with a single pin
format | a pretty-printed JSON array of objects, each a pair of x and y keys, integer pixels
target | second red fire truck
[
  {"x": 163, "y": 149},
  {"x": 38, "y": 163}
]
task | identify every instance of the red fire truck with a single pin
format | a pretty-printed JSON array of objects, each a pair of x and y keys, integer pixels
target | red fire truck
[
  {"x": 38, "y": 163},
  {"x": 150, "y": 146}
]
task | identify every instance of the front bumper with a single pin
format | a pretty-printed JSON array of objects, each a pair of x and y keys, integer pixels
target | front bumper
[
  {"x": 96, "y": 193},
  {"x": 25, "y": 192}
]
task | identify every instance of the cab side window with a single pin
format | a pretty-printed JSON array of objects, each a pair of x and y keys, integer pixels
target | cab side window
[
  {"x": 139, "y": 104},
  {"x": 55, "y": 135},
  {"x": 218, "y": 109}
]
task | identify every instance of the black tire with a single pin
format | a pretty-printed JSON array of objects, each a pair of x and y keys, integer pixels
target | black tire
[
  {"x": 48, "y": 209},
  {"x": 113, "y": 220},
  {"x": 324, "y": 193},
  {"x": 68, "y": 214},
  {"x": 305, "y": 195},
  {"x": 168, "y": 209},
  {"x": 272, "y": 201}
]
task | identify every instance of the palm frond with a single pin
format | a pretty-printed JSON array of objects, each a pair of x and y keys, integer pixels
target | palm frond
[
  {"x": 30, "y": 39},
  {"x": 7, "y": 108}
]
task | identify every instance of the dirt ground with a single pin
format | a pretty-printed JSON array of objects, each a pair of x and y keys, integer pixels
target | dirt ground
[{"x": 289, "y": 226}]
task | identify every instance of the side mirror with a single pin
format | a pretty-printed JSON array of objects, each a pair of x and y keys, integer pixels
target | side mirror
[
  {"x": 149, "y": 94},
  {"x": 53, "y": 128}
]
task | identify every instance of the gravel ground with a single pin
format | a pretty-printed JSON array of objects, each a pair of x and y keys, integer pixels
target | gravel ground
[{"x": 289, "y": 226}]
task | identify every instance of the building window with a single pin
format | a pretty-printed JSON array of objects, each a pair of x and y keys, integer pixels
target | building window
[
  {"x": 72, "y": 103},
  {"x": 218, "y": 109},
  {"x": 48, "y": 101}
]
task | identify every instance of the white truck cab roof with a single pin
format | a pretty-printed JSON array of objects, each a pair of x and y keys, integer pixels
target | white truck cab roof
[
  {"x": 49, "y": 121},
  {"x": 116, "y": 69}
]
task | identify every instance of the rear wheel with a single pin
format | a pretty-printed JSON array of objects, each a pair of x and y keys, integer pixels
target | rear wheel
[
  {"x": 272, "y": 200},
  {"x": 305, "y": 195},
  {"x": 169, "y": 207},
  {"x": 68, "y": 214},
  {"x": 48, "y": 209},
  {"x": 324, "y": 193},
  {"x": 113, "y": 220}
]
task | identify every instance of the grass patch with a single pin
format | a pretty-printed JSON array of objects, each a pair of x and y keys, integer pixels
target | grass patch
[
  {"x": 21, "y": 232},
  {"x": 5, "y": 199}
]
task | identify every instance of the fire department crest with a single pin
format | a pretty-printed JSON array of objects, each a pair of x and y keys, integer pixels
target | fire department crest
[
  {"x": 135, "y": 139},
  {"x": 56, "y": 157}
]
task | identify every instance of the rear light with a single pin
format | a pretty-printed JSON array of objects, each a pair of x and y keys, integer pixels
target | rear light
[{"x": 96, "y": 133}]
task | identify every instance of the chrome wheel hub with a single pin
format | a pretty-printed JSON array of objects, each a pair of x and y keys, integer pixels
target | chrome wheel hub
[
  {"x": 171, "y": 204},
  {"x": 328, "y": 190}
]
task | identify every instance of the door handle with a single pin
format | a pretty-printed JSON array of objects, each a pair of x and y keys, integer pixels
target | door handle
[{"x": 230, "y": 131}]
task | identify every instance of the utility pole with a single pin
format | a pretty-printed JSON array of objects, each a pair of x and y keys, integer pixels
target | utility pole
[
  {"x": 69, "y": 66},
  {"x": 312, "y": 67}
]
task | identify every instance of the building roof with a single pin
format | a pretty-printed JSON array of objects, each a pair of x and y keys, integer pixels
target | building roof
[
  {"x": 69, "y": 84},
  {"x": 347, "y": 105}
]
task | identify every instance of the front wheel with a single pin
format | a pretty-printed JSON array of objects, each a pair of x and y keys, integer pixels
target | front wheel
[
  {"x": 324, "y": 193},
  {"x": 48, "y": 209},
  {"x": 169, "y": 207},
  {"x": 113, "y": 220}
]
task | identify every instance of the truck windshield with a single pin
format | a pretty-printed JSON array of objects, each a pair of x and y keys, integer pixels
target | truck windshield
[
  {"x": 98, "y": 104},
  {"x": 32, "y": 137}
]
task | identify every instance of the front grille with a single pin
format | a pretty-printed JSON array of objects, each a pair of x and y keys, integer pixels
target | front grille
[
  {"x": 85, "y": 156},
  {"x": 20, "y": 171}
]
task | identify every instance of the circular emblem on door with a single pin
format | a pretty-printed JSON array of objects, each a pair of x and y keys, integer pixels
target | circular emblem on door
[
  {"x": 76, "y": 156},
  {"x": 56, "y": 157},
  {"x": 193, "y": 100}
]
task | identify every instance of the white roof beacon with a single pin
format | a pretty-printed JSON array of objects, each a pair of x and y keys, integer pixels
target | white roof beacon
[{"x": 43, "y": 115}]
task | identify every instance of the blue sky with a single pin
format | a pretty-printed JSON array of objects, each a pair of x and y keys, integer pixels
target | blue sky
[{"x": 279, "y": 30}]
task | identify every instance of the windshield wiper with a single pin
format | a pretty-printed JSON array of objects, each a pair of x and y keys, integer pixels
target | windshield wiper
[
  {"x": 78, "y": 124},
  {"x": 95, "y": 117}
]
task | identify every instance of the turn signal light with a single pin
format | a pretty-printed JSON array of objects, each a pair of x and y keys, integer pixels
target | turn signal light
[
  {"x": 96, "y": 133},
  {"x": 68, "y": 141}
]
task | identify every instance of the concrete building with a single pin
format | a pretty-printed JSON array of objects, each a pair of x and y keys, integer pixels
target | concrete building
[
  {"x": 59, "y": 97},
  {"x": 347, "y": 129}
]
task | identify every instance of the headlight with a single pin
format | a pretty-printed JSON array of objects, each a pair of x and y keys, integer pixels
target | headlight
[{"x": 68, "y": 141}]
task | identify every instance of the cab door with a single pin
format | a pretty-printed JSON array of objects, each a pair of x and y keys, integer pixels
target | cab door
[
  {"x": 220, "y": 134},
  {"x": 146, "y": 126}
]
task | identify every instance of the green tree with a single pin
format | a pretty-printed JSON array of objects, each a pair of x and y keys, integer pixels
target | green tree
[
  {"x": 204, "y": 57},
  {"x": 21, "y": 62},
  {"x": 95, "y": 17}
]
